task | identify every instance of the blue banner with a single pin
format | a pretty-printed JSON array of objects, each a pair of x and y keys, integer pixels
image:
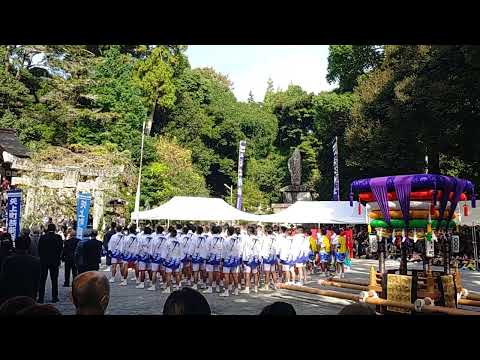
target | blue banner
[
  {"x": 83, "y": 206},
  {"x": 14, "y": 206},
  {"x": 241, "y": 157},
  {"x": 336, "y": 178}
]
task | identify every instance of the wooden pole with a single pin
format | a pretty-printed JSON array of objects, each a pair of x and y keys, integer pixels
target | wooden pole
[
  {"x": 468, "y": 302},
  {"x": 343, "y": 285},
  {"x": 377, "y": 301},
  {"x": 330, "y": 293}
]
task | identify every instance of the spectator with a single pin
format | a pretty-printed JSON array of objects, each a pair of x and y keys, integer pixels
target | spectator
[
  {"x": 23, "y": 242},
  {"x": 20, "y": 276},
  {"x": 34, "y": 238},
  {"x": 186, "y": 302},
  {"x": 91, "y": 293},
  {"x": 88, "y": 253},
  {"x": 357, "y": 309},
  {"x": 6, "y": 246},
  {"x": 106, "y": 239},
  {"x": 50, "y": 248},
  {"x": 278, "y": 308},
  {"x": 13, "y": 305},
  {"x": 40, "y": 310},
  {"x": 69, "y": 247}
]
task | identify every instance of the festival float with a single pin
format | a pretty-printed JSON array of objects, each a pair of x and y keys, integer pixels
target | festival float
[{"x": 418, "y": 207}]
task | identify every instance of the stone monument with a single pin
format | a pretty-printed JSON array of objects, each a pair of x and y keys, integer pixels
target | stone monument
[{"x": 296, "y": 191}]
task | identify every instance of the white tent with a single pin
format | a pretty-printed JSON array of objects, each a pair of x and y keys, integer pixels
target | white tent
[
  {"x": 186, "y": 208},
  {"x": 319, "y": 212}
]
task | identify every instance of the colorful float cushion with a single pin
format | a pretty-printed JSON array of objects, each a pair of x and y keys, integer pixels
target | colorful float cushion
[
  {"x": 414, "y": 195},
  {"x": 412, "y": 224},
  {"x": 413, "y": 214}
]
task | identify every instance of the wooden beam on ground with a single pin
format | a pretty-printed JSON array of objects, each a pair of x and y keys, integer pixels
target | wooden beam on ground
[
  {"x": 343, "y": 285},
  {"x": 377, "y": 301},
  {"x": 330, "y": 293}
]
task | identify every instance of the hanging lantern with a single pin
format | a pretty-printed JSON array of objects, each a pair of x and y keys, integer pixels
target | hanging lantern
[
  {"x": 465, "y": 209},
  {"x": 359, "y": 208}
]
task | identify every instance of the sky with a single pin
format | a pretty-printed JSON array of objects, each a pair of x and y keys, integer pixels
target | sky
[{"x": 250, "y": 66}]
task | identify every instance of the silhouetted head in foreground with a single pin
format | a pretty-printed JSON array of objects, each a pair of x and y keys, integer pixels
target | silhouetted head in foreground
[
  {"x": 91, "y": 293},
  {"x": 40, "y": 310},
  {"x": 357, "y": 309},
  {"x": 186, "y": 302},
  {"x": 15, "y": 304},
  {"x": 278, "y": 308}
]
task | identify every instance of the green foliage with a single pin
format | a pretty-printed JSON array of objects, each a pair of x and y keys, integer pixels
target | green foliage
[
  {"x": 347, "y": 62},
  {"x": 170, "y": 174}
]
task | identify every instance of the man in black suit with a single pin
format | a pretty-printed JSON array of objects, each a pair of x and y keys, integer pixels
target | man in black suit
[
  {"x": 69, "y": 247},
  {"x": 89, "y": 252},
  {"x": 50, "y": 248},
  {"x": 106, "y": 239}
]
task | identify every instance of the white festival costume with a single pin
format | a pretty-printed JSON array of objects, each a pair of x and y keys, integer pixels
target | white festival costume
[
  {"x": 185, "y": 242},
  {"x": 174, "y": 254},
  {"x": 215, "y": 246},
  {"x": 252, "y": 250},
  {"x": 115, "y": 246},
  {"x": 232, "y": 251},
  {"x": 287, "y": 250},
  {"x": 143, "y": 247},
  {"x": 129, "y": 247},
  {"x": 269, "y": 249},
  {"x": 156, "y": 248},
  {"x": 198, "y": 248}
]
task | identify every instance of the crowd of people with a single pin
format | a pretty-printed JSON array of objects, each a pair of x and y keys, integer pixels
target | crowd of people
[
  {"x": 202, "y": 257},
  {"x": 237, "y": 259}
]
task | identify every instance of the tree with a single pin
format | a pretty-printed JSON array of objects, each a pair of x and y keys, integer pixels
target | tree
[
  {"x": 347, "y": 62},
  {"x": 171, "y": 174}
]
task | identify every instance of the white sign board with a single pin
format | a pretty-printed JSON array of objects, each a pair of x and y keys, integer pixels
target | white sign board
[
  {"x": 455, "y": 244},
  {"x": 373, "y": 243}
]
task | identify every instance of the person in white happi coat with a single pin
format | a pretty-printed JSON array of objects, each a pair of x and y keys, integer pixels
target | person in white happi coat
[
  {"x": 156, "y": 252},
  {"x": 251, "y": 259},
  {"x": 128, "y": 251},
  {"x": 213, "y": 260},
  {"x": 269, "y": 257},
  {"x": 198, "y": 251},
  {"x": 173, "y": 260},
  {"x": 143, "y": 255},
  {"x": 185, "y": 241},
  {"x": 115, "y": 252},
  {"x": 231, "y": 260},
  {"x": 287, "y": 253}
]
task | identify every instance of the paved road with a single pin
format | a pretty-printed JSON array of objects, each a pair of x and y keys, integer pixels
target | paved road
[{"x": 131, "y": 301}]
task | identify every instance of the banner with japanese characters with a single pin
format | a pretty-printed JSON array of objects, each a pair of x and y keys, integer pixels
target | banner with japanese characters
[
  {"x": 241, "y": 158},
  {"x": 14, "y": 206},
  {"x": 83, "y": 207}
]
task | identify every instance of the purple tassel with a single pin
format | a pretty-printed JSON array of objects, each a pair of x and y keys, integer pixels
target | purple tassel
[
  {"x": 351, "y": 199},
  {"x": 474, "y": 199}
]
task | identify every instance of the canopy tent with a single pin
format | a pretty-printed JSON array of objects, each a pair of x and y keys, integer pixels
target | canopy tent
[
  {"x": 186, "y": 208},
  {"x": 318, "y": 212}
]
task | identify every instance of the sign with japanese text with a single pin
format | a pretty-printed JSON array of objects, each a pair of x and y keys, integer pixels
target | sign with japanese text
[
  {"x": 83, "y": 206},
  {"x": 14, "y": 205}
]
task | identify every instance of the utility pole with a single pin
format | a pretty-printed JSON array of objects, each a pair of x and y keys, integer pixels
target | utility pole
[
  {"x": 137, "y": 196},
  {"x": 230, "y": 188}
]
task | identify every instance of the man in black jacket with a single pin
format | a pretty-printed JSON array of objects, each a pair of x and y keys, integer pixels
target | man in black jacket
[
  {"x": 89, "y": 253},
  {"x": 50, "y": 248},
  {"x": 106, "y": 239},
  {"x": 69, "y": 247}
]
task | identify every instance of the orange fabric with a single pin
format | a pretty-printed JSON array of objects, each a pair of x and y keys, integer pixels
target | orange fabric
[{"x": 414, "y": 195}]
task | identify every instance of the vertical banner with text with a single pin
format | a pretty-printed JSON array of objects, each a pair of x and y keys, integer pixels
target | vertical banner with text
[
  {"x": 83, "y": 206},
  {"x": 14, "y": 206},
  {"x": 336, "y": 179},
  {"x": 241, "y": 157}
]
